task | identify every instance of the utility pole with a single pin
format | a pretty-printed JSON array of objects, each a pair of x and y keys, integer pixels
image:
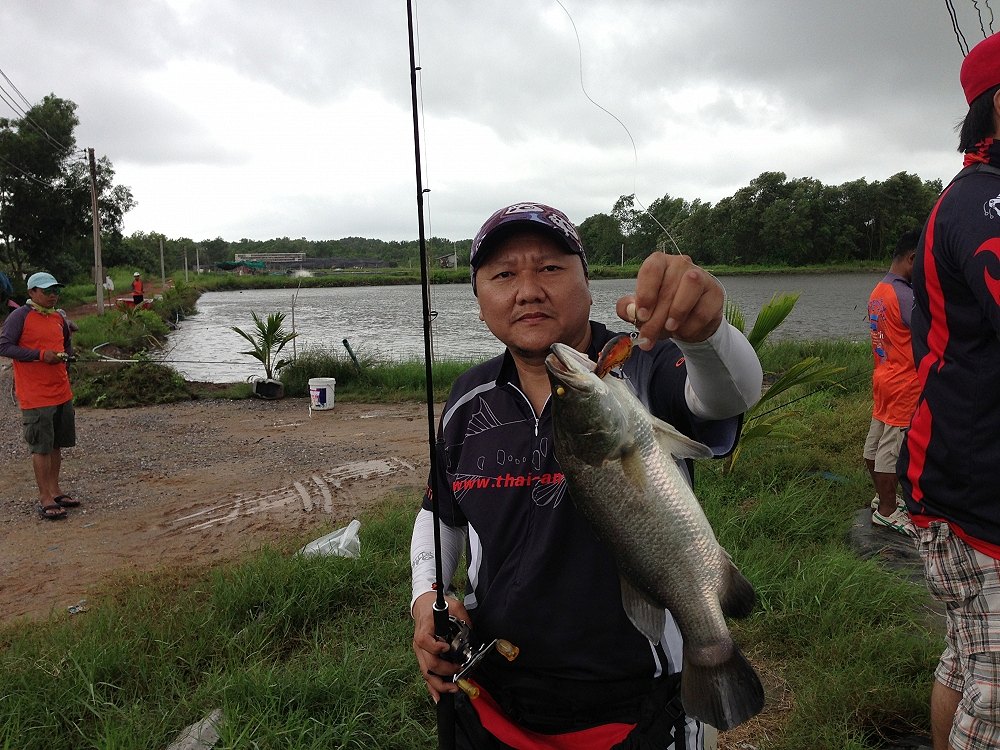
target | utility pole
[
  {"x": 98, "y": 269},
  {"x": 163, "y": 273}
]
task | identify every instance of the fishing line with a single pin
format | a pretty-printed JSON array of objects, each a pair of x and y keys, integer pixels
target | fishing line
[
  {"x": 635, "y": 151},
  {"x": 842, "y": 381},
  {"x": 979, "y": 13},
  {"x": 959, "y": 36}
]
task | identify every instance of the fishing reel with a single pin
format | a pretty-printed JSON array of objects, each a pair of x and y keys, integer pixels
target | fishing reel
[{"x": 461, "y": 652}]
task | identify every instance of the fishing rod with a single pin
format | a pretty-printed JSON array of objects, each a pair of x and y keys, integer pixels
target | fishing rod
[{"x": 446, "y": 701}]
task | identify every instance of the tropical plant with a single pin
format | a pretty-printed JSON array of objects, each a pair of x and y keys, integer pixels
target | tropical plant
[
  {"x": 765, "y": 418},
  {"x": 268, "y": 341}
]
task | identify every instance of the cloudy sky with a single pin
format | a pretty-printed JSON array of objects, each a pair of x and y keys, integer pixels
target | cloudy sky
[{"x": 258, "y": 119}]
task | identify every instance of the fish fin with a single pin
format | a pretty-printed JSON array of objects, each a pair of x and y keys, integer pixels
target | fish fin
[
  {"x": 648, "y": 617},
  {"x": 723, "y": 695},
  {"x": 737, "y": 597},
  {"x": 677, "y": 444}
]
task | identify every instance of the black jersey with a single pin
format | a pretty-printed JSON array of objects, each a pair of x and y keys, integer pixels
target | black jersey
[
  {"x": 538, "y": 576},
  {"x": 948, "y": 464}
]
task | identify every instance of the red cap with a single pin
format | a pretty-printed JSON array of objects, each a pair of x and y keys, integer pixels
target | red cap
[{"x": 981, "y": 68}]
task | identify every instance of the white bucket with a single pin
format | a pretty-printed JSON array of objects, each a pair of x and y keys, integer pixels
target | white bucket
[{"x": 321, "y": 393}]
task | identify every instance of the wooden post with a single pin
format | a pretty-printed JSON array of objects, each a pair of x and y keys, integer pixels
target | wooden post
[
  {"x": 98, "y": 268},
  {"x": 163, "y": 273}
]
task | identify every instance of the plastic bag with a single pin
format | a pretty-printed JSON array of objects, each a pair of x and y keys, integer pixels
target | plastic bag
[{"x": 343, "y": 542}]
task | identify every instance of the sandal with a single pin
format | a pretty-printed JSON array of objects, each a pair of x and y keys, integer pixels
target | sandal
[
  {"x": 65, "y": 501},
  {"x": 50, "y": 512}
]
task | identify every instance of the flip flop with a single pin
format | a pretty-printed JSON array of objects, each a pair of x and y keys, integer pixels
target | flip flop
[
  {"x": 65, "y": 501},
  {"x": 50, "y": 512}
]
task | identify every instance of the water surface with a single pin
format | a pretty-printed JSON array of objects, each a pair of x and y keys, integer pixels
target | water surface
[{"x": 386, "y": 321}]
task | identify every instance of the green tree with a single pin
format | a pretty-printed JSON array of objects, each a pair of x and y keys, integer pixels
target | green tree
[
  {"x": 602, "y": 236},
  {"x": 45, "y": 197}
]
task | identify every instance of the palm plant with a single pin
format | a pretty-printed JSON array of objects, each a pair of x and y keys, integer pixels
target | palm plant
[
  {"x": 268, "y": 341},
  {"x": 764, "y": 418}
]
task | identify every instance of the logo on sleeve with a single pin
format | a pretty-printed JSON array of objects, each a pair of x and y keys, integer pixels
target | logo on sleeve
[
  {"x": 991, "y": 246},
  {"x": 992, "y": 208}
]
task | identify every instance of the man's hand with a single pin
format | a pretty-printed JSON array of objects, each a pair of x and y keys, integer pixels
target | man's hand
[
  {"x": 436, "y": 671},
  {"x": 52, "y": 358},
  {"x": 675, "y": 299}
]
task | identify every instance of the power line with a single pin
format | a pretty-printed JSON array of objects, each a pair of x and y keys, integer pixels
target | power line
[
  {"x": 23, "y": 114},
  {"x": 23, "y": 99}
]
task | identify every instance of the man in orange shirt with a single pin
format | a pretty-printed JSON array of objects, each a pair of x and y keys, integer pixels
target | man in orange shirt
[
  {"x": 894, "y": 383},
  {"x": 136, "y": 289},
  {"x": 37, "y": 337}
]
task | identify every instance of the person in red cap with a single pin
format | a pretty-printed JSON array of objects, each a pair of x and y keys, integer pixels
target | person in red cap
[
  {"x": 585, "y": 677},
  {"x": 948, "y": 463},
  {"x": 37, "y": 337}
]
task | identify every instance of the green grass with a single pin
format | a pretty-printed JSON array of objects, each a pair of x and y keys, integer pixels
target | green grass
[
  {"x": 315, "y": 653},
  {"x": 371, "y": 380},
  {"x": 299, "y": 653}
]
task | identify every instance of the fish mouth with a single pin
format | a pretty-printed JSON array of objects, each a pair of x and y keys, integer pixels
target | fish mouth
[{"x": 571, "y": 368}]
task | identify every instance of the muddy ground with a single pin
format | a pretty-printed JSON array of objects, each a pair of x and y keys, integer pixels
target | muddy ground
[{"x": 192, "y": 483}]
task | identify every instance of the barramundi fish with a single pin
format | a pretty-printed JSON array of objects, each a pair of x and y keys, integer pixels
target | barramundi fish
[{"x": 620, "y": 464}]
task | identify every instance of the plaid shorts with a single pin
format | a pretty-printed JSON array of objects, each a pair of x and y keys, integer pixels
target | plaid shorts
[{"x": 967, "y": 582}]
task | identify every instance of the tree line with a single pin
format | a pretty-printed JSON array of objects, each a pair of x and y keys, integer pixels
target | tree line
[{"x": 46, "y": 217}]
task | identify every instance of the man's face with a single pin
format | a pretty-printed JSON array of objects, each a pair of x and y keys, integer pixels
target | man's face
[
  {"x": 44, "y": 297},
  {"x": 533, "y": 293}
]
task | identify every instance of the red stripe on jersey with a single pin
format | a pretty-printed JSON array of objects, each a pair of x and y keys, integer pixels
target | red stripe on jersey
[{"x": 921, "y": 425}]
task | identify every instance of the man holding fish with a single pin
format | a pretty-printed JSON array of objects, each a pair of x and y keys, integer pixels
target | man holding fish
[{"x": 579, "y": 525}]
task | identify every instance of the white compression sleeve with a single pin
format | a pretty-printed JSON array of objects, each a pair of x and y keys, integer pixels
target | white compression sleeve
[
  {"x": 724, "y": 374},
  {"x": 422, "y": 561}
]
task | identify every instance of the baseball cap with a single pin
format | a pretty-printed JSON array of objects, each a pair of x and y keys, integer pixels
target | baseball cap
[
  {"x": 981, "y": 68},
  {"x": 518, "y": 216},
  {"x": 136, "y": 273},
  {"x": 42, "y": 280}
]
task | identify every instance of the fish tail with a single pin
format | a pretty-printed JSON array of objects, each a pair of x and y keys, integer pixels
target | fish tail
[
  {"x": 737, "y": 597},
  {"x": 723, "y": 695}
]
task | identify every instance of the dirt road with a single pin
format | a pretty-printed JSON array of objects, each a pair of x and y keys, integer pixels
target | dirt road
[{"x": 193, "y": 483}]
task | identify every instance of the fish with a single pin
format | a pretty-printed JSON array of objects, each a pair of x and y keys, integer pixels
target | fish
[{"x": 620, "y": 467}]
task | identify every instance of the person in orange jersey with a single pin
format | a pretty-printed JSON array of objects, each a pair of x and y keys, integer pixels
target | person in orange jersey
[
  {"x": 37, "y": 337},
  {"x": 894, "y": 383}
]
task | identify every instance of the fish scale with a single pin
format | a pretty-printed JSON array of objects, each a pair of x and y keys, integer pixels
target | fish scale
[{"x": 621, "y": 467}]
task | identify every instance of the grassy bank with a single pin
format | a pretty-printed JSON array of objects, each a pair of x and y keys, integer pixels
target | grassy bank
[{"x": 315, "y": 653}]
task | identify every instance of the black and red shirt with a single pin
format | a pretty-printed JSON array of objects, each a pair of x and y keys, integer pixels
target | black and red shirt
[
  {"x": 538, "y": 576},
  {"x": 949, "y": 462}
]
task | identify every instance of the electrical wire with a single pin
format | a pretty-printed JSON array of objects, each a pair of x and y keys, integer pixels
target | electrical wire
[
  {"x": 23, "y": 114},
  {"x": 23, "y": 99}
]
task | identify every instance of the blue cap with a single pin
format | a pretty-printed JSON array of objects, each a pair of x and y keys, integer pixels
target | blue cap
[
  {"x": 527, "y": 214},
  {"x": 42, "y": 280}
]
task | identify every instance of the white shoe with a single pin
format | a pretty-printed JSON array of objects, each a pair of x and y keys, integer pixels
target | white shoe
[
  {"x": 899, "y": 503},
  {"x": 898, "y": 521}
]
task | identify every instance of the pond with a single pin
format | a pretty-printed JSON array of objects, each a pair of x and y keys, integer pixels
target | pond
[{"x": 386, "y": 321}]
